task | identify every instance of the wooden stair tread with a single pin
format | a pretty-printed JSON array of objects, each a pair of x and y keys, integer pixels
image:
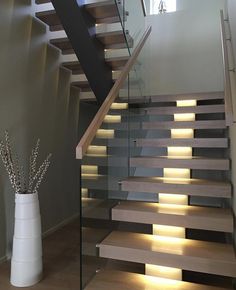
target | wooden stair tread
[
  {"x": 180, "y": 162},
  {"x": 100, "y": 182},
  {"x": 83, "y": 85},
  {"x": 183, "y": 142},
  {"x": 191, "y": 255},
  {"x": 51, "y": 18},
  {"x": 177, "y": 97},
  {"x": 204, "y": 109},
  {"x": 74, "y": 66},
  {"x": 100, "y": 11},
  {"x": 89, "y": 100},
  {"x": 42, "y": 1},
  {"x": 168, "y": 125},
  {"x": 114, "y": 142},
  {"x": 213, "y": 124},
  {"x": 191, "y": 96},
  {"x": 104, "y": 12},
  {"x": 122, "y": 126},
  {"x": 197, "y": 187},
  {"x": 62, "y": 43},
  {"x": 117, "y": 62},
  {"x": 165, "y": 142},
  {"x": 116, "y": 280},
  {"x": 114, "y": 62},
  {"x": 118, "y": 161},
  {"x": 194, "y": 217},
  {"x": 136, "y": 100},
  {"x": 115, "y": 39},
  {"x": 195, "y": 162}
]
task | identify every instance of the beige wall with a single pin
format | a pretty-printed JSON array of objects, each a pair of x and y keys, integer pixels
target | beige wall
[
  {"x": 35, "y": 101},
  {"x": 232, "y": 136},
  {"x": 183, "y": 53},
  {"x": 232, "y": 18},
  {"x": 232, "y": 131}
]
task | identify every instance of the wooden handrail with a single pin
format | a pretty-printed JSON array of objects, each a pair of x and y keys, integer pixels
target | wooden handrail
[
  {"x": 227, "y": 84},
  {"x": 102, "y": 112}
]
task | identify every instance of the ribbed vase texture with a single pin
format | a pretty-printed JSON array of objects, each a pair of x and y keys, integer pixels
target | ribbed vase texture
[{"x": 26, "y": 262}]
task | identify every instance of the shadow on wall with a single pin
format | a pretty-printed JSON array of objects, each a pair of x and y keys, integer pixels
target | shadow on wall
[{"x": 36, "y": 102}]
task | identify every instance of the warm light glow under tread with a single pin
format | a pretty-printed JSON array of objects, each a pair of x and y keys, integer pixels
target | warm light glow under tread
[
  {"x": 119, "y": 106},
  {"x": 174, "y": 173},
  {"x": 105, "y": 133},
  {"x": 112, "y": 119},
  {"x": 94, "y": 150}
]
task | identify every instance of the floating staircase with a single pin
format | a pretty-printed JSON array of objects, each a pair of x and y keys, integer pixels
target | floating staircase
[
  {"x": 105, "y": 14},
  {"x": 174, "y": 210}
]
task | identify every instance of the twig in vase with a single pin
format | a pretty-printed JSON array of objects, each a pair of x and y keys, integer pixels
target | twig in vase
[
  {"x": 41, "y": 172},
  {"x": 7, "y": 158},
  {"x": 33, "y": 164},
  {"x": 16, "y": 172}
]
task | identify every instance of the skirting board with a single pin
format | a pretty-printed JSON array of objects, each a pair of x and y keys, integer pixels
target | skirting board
[{"x": 60, "y": 225}]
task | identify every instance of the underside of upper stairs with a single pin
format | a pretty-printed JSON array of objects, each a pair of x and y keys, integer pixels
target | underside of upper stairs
[{"x": 92, "y": 39}]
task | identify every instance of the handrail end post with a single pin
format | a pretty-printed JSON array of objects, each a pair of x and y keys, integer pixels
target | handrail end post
[
  {"x": 229, "y": 121},
  {"x": 79, "y": 153}
]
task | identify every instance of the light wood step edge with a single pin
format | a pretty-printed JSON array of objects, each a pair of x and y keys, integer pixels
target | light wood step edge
[
  {"x": 196, "y": 187},
  {"x": 164, "y": 142},
  {"x": 194, "y": 217},
  {"x": 100, "y": 4},
  {"x": 102, "y": 35},
  {"x": 45, "y": 13},
  {"x": 105, "y": 11},
  {"x": 191, "y": 96},
  {"x": 51, "y": 19},
  {"x": 115, "y": 41},
  {"x": 42, "y": 1},
  {"x": 158, "y": 162},
  {"x": 75, "y": 65},
  {"x": 191, "y": 163},
  {"x": 102, "y": 10},
  {"x": 204, "y": 109},
  {"x": 111, "y": 36},
  {"x": 183, "y": 142},
  {"x": 116, "y": 161},
  {"x": 191, "y": 255},
  {"x": 177, "y": 97},
  {"x": 117, "y": 280},
  {"x": 168, "y": 125},
  {"x": 122, "y": 126},
  {"x": 213, "y": 124},
  {"x": 107, "y": 5}
]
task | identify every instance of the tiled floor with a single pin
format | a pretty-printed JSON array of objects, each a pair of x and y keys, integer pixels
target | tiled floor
[{"x": 61, "y": 262}]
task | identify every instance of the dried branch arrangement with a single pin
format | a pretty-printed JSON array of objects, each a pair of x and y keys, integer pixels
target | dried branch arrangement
[{"x": 16, "y": 173}]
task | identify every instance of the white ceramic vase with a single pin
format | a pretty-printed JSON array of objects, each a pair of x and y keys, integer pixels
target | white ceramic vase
[{"x": 26, "y": 262}]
